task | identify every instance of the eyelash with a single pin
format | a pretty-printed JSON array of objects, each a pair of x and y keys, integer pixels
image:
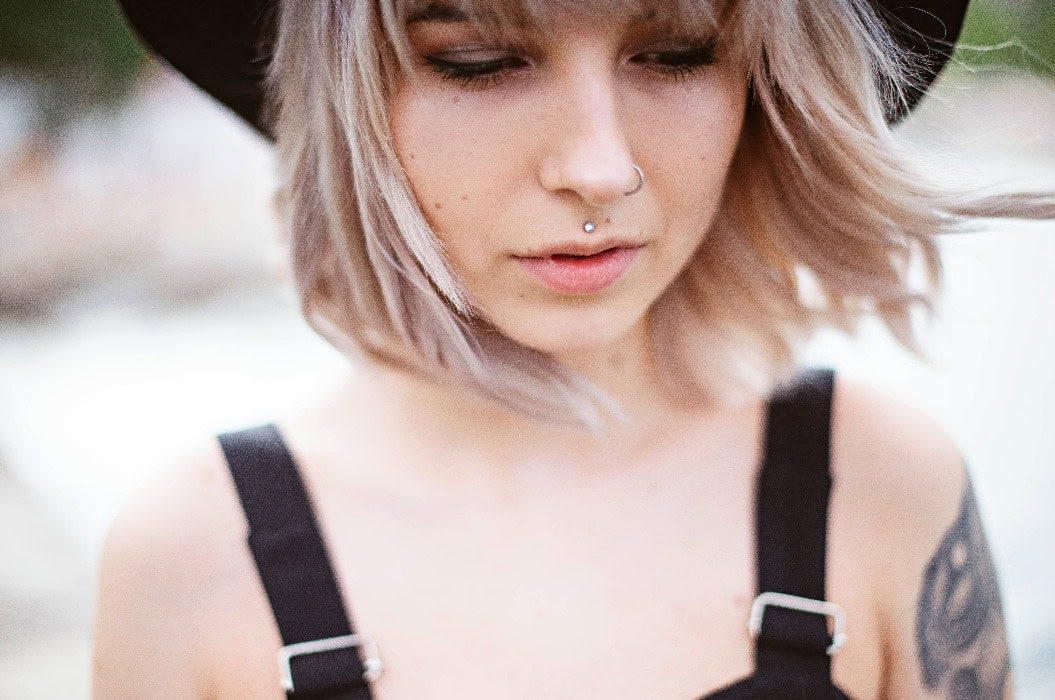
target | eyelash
[
  {"x": 478, "y": 75},
  {"x": 691, "y": 58}
]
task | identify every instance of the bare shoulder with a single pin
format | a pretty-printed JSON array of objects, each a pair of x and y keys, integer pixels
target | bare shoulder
[
  {"x": 896, "y": 460},
  {"x": 901, "y": 484},
  {"x": 171, "y": 548}
]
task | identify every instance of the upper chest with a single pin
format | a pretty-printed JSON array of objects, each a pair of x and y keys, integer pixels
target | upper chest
[
  {"x": 631, "y": 584},
  {"x": 469, "y": 598}
]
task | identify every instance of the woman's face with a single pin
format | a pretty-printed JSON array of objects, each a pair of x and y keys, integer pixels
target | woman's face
[{"x": 511, "y": 148}]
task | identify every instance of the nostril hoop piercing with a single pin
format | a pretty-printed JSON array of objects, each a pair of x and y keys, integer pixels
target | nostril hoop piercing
[{"x": 640, "y": 181}]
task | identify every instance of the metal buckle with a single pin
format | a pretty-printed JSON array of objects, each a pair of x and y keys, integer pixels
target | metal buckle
[
  {"x": 808, "y": 605},
  {"x": 371, "y": 662}
]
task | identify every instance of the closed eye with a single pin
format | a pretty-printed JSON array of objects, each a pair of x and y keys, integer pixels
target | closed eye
[
  {"x": 678, "y": 62},
  {"x": 475, "y": 74}
]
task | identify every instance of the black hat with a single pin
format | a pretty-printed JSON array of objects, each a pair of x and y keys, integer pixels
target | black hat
[{"x": 224, "y": 45}]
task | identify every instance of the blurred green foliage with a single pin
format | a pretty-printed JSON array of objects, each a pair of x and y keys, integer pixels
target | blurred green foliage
[
  {"x": 77, "y": 52},
  {"x": 1018, "y": 33}
]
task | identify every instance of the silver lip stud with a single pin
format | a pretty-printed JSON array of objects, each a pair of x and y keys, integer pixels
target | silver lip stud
[{"x": 589, "y": 227}]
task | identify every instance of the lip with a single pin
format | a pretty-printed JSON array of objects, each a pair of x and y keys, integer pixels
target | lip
[
  {"x": 580, "y": 247},
  {"x": 581, "y": 268}
]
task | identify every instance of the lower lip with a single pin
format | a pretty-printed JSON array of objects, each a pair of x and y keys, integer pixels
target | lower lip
[{"x": 588, "y": 274}]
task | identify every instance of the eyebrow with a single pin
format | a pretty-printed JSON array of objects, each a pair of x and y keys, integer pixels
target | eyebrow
[{"x": 437, "y": 12}]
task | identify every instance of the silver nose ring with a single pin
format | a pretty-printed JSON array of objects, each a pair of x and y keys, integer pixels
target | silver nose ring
[
  {"x": 640, "y": 181},
  {"x": 590, "y": 227}
]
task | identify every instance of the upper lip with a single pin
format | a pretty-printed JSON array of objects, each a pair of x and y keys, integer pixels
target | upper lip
[{"x": 580, "y": 248}]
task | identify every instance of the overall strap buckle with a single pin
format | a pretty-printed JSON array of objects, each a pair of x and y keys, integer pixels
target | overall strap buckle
[
  {"x": 371, "y": 660},
  {"x": 806, "y": 605}
]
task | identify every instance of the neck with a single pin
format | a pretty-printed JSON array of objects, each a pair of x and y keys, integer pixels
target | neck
[{"x": 626, "y": 372}]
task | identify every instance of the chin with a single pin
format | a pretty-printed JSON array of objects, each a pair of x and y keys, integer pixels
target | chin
[{"x": 573, "y": 332}]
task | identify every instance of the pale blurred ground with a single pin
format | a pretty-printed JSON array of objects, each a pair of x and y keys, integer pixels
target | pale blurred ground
[{"x": 139, "y": 256}]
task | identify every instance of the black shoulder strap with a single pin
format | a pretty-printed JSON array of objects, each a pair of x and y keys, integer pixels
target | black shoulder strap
[
  {"x": 293, "y": 565},
  {"x": 792, "y": 520}
]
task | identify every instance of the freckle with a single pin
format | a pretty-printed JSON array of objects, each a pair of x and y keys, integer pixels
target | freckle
[
  {"x": 438, "y": 205},
  {"x": 608, "y": 220}
]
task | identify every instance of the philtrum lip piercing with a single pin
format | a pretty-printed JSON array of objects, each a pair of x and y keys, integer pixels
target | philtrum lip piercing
[{"x": 590, "y": 227}]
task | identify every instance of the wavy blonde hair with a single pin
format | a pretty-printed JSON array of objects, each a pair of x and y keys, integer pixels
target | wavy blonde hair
[{"x": 819, "y": 191}]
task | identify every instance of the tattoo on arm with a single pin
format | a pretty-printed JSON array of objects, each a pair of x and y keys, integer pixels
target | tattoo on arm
[{"x": 959, "y": 623}]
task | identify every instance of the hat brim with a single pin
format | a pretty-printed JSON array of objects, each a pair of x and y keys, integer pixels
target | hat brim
[{"x": 224, "y": 46}]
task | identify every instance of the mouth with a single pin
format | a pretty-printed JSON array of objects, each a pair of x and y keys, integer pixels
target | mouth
[
  {"x": 580, "y": 249},
  {"x": 580, "y": 270}
]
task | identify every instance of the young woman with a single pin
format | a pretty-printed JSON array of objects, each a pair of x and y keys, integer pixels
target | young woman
[{"x": 576, "y": 247}]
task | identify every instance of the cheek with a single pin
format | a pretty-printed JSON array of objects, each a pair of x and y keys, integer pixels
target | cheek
[
  {"x": 426, "y": 160},
  {"x": 692, "y": 159},
  {"x": 710, "y": 128},
  {"x": 430, "y": 165},
  {"x": 448, "y": 168}
]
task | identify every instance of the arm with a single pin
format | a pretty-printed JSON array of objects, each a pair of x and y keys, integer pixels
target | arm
[
  {"x": 960, "y": 638},
  {"x": 147, "y": 618},
  {"x": 924, "y": 551}
]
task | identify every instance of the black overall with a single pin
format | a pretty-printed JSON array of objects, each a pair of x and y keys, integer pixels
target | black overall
[{"x": 794, "y": 482}]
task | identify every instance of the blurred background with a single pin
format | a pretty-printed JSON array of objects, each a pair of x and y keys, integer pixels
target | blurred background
[{"x": 143, "y": 308}]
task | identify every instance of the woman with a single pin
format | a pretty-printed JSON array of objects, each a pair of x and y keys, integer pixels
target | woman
[{"x": 577, "y": 247}]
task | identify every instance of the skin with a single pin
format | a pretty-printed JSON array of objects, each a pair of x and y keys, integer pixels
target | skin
[
  {"x": 597, "y": 102},
  {"x": 492, "y": 556}
]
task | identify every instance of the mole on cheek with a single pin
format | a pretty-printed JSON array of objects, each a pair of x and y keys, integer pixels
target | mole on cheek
[{"x": 438, "y": 205}]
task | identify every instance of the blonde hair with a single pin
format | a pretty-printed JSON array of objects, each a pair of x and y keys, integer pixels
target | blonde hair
[{"x": 819, "y": 190}]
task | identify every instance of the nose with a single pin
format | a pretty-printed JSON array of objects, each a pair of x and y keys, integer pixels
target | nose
[{"x": 588, "y": 156}]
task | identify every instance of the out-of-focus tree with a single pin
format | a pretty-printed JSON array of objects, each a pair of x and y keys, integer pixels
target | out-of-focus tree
[
  {"x": 76, "y": 53},
  {"x": 1019, "y": 33}
]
